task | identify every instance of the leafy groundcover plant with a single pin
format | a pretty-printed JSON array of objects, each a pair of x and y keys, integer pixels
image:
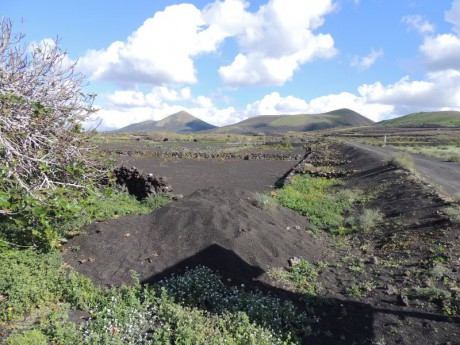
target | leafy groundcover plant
[{"x": 38, "y": 293}]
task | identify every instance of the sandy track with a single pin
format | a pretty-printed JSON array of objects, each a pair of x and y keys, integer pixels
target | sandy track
[{"x": 445, "y": 175}]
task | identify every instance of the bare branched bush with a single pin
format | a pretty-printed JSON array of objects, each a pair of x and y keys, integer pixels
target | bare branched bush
[{"x": 42, "y": 109}]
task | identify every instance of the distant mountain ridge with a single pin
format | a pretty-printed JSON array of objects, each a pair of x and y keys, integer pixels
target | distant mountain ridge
[
  {"x": 183, "y": 122},
  {"x": 426, "y": 119},
  {"x": 180, "y": 122},
  {"x": 269, "y": 124}
]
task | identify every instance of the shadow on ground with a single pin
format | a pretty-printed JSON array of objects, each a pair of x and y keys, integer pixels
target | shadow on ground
[{"x": 340, "y": 321}]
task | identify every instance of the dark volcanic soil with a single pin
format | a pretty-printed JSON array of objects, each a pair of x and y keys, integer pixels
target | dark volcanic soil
[
  {"x": 415, "y": 246},
  {"x": 214, "y": 227},
  {"x": 189, "y": 175}
]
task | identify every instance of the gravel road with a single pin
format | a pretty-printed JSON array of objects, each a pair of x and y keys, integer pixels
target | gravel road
[{"x": 444, "y": 175}]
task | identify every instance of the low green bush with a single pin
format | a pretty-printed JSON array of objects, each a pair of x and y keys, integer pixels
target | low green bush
[{"x": 362, "y": 289}]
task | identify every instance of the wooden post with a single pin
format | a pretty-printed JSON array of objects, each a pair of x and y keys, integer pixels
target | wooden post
[{"x": 384, "y": 140}]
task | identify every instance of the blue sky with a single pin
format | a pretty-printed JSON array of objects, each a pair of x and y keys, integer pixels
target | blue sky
[{"x": 227, "y": 60}]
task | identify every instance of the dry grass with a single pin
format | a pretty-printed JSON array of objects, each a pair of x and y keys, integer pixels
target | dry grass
[{"x": 403, "y": 160}]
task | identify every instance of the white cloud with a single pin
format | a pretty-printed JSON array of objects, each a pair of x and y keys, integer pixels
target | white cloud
[
  {"x": 274, "y": 42},
  {"x": 160, "y": 51},
  {"x": 418, "y": 23},
  {"x": 277, "y": 40},
  {"x": 274, "y": 104},
  {"x": 453, "y": 16},
  {"x": 120, "y": 117},
  {"x": 365, "y": 62},
  {"x": 440, "y": 90},
  {"x": 203, "y": 102},
  {"x": 442, "y": 52},
  {"x": 153, "y": 98},
  {"x": 125, "y": 107},
  {"x": 126, "y": 99}
]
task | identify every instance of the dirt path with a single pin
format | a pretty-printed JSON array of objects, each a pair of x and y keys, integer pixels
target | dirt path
[{"x": 445, "y": 175}]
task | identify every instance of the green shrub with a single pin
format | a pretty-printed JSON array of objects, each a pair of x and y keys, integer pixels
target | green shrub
[
  {"x": 452, "y": 307},
  {"x": 194, "y": 308},
  {"x": 28, "y": 279},
  {"x": 201, "y": 288},
  {"x": 33, "y": 337},
  {"x": 454, "y": 157},
  {"x": 45, "y": 155}
]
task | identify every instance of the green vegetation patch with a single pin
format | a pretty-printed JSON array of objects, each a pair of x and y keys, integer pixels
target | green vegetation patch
[
  {"x": 44, "y": 223},
  {"x": 438, "y": 118},
  {"x": 299, "y": 120},
  {"x": 315, "y": 198},
  {"x": 37, "y": 292}
]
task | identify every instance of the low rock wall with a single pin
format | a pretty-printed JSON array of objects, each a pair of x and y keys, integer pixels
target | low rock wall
[
  {"x": 139, "y": 184},
  {"x": 208, "y": 155}
]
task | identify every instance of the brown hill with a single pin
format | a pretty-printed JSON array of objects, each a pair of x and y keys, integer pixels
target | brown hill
[{"x": 181, "y": 122}]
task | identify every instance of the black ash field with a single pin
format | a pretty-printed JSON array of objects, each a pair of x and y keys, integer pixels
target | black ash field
[{"x": 386, "y": 272}]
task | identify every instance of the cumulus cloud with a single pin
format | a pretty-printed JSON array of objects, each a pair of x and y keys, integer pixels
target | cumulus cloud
[
  {"x": 274, "y": 42},
  {"x": 365, "y": 62},
  {"x": 418, "y": 23},
  {"x": 160, "y": 51},
  {"x": 274, "y": 104},
  {"x": 124, "y": 107},
  {"x": 277, "y": 40},
  {"x": 441, "y": 52},
  {"x": 417, "y": 93}
]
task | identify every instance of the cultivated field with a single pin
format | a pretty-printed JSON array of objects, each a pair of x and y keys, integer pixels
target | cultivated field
[{"x": 368, "y": 253}]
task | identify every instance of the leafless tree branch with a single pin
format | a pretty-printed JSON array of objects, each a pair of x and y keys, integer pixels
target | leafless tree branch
[{"x": 42, "y": 109}]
